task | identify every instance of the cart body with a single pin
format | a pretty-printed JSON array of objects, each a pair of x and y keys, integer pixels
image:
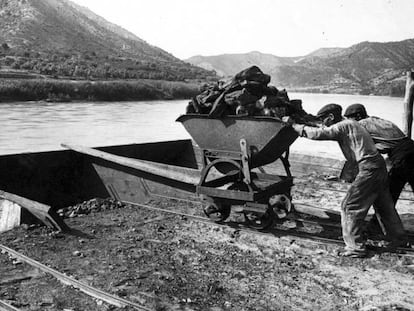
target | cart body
[{"x": 234, "y": 145}]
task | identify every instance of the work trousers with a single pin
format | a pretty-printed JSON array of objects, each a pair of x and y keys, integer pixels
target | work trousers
[
  {"x": 370, "y": 187},
  {"x": 401, "y": 173}
]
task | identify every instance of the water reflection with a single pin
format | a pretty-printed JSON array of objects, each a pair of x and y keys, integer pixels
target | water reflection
[
  {"x": 40, "y": 126},
  {"x": 44, "y": 126}
]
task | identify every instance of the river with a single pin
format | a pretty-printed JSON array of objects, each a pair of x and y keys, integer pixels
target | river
[{"x": 41, "y": 126}]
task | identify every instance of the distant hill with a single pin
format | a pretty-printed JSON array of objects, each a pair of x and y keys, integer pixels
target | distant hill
[
  {"x": 60, "y": 38},
  {"x": 230, "y": 64},
  {"x": 364, "y": 68},
  {"x": 324, "y": 52}
]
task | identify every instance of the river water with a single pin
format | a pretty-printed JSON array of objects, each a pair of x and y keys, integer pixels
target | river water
[{"x": 40, "y": 126}]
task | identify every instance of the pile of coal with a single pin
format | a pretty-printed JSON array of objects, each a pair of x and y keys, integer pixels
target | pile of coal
[
  {"x": 87, "y": 207},
  {"x": 247, "y": 93}
]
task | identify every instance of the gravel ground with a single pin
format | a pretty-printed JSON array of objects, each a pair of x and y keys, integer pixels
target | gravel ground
[{"x": 168, "y": 262}]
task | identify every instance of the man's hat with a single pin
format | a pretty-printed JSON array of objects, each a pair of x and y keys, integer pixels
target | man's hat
[
  {"x": 335, "y": 109},
  {"x": 355, "y": 109}
]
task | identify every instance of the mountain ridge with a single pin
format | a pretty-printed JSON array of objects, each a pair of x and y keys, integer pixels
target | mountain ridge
[
  {"x": 363, "y": 68},
  {"x": 61, "y": 38}
]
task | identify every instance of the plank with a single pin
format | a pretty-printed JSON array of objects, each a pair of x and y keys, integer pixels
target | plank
[
  {"x": 10, "y": 214},
  {"x": 178, "y": 173},
  {"x": 41, "y": 211},
  {"x": 408, "y": 104},
  {"x": 317, "y": 212}
]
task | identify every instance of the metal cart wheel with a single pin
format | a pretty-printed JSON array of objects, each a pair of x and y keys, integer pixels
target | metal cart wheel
[
  {"x": 217, "y": 211},
  {"x": 259, "y": 221},
  {"x": 254, "y": 220},
  {"x": 281, "y": 205}
]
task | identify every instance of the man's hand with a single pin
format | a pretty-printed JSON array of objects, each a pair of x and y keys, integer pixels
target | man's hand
[
  {"x": 299, "y": 128},
  {"x": 289, "y": 120}
]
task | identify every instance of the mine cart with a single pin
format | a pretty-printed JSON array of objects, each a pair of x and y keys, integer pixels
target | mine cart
[
  {"x": 234, "y": 153},
  {"x": 234, "y": 149}
]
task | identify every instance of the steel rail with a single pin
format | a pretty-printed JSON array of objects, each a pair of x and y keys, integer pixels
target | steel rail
[
  {"x": 344, "y": 191},
  {"x": 338, "y": 182},
  {"x": 87, "y": 289},
  {"x": 322, "y": 222},
  {"x": 342, "y": 185},
  {"x": 276, "y": 232},
  {"x": 4, "y": 306},
  {"x": 318, "y": 240}
]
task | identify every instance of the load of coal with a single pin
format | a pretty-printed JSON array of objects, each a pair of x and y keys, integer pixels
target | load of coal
[
  {"x": 248, "y": 93},
  {"x": 90, "y": 206}
]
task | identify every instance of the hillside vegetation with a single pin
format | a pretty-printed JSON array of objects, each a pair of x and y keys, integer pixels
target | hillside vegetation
[
  {"x": 58, "y": 40},
  {"x": 61, "y": 39},
  {"x": 364, "y": 68}
]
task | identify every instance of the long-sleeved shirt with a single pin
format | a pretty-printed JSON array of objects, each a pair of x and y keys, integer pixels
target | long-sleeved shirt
[
  {"x": 355, "y": 142},
  {"x": 389, "y": 139},
  {"x": 385, "y": 134}
]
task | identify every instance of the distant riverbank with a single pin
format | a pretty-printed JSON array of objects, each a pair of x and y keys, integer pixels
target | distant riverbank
[
  {"x": 65, "y": 90},
  {"x": 58, "y": 90},
  {"x": 392, "y": 90}
]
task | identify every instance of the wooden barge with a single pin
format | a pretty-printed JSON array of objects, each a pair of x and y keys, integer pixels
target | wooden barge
[{"x": 44, "y": 182}]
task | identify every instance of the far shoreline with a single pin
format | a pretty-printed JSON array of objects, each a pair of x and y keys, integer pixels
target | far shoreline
[
  {"x": 65, "y": 90},
  {"x": 59, "y": 90}
]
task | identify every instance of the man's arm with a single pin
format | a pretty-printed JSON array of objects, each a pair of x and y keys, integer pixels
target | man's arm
[
  {"x": 321, "y": 133},
  {"x": 315, "y": 133}
]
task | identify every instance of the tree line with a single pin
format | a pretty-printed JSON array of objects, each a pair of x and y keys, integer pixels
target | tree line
[
  {"x": 92, "y": 66},
  {"x": 64, "y": 90}
]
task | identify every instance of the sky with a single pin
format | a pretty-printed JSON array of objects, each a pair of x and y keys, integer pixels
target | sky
[{"x": 187, "y": 28}]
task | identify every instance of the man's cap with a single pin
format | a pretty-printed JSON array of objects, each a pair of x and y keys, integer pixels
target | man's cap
[
  {"x": 355, "y": 109},
  {"x": 335, "y": 109}
]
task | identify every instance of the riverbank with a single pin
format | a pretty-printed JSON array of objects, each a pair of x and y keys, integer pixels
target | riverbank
[
  {"x": 58, "y": 90},
  {"x": 43, "y": 88}
]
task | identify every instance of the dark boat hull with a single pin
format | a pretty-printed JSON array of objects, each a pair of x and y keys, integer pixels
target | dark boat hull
[{"x": 63, "y": 178}]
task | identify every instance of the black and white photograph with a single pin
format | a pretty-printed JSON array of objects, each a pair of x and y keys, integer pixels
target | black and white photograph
[{"x": 194, "y": 155}]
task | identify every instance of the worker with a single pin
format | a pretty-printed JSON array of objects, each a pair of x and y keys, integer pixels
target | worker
[
  {"x": 370, "y": 186},
  {"x": 390, "y": 140}
]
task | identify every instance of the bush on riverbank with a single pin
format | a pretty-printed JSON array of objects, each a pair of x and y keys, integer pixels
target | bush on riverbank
[{"x": 120, "y": 90}]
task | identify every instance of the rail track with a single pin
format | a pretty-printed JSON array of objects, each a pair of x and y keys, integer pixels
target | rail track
[
  {"x": 94, "y": 293},
  {"x": 4, "y": 306},
  {"x": 299, "y": 220},
  {"x": 293, "y": 233},
  {"x": 341, "y": 187}
]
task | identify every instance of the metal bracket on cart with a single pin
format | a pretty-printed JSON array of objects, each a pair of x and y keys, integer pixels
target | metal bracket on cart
[{"x": 252, "y": 193}]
